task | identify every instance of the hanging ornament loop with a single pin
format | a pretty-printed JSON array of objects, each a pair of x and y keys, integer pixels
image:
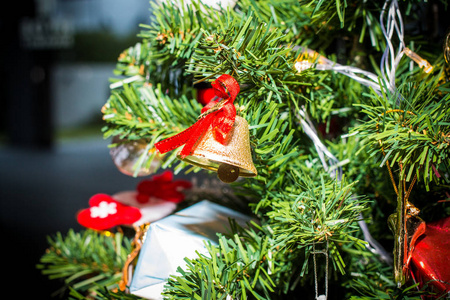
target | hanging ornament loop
[{"x": 220, "y": 114}]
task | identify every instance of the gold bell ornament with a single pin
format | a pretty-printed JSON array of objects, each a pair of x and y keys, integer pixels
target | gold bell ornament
[
  {"x": 229, "y": 160},
  {"x": 219, "y": 140}
]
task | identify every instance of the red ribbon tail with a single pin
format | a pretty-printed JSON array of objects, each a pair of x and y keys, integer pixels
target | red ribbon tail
[
  {"x": 195, "y": 136},
  {"x": 188, "y": 137},
  {"x": 174, "y": 141}
]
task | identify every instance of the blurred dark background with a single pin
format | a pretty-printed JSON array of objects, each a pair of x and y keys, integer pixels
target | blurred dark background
[{"x": 56, "y": 59}]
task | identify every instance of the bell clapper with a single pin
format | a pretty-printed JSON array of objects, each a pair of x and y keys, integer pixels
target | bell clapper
[{"x": 227, "y": 173}]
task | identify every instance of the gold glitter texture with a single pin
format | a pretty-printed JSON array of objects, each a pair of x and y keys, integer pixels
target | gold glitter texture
[{"x": 210, "y": 154}]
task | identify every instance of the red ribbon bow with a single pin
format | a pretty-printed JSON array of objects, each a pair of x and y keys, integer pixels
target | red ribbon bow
[
  {"x": 162, "y": 187},
  {"x": 219, "y": 114}
]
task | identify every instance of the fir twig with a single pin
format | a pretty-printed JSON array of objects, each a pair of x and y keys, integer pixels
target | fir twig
[{"x": 86, "y": 260}]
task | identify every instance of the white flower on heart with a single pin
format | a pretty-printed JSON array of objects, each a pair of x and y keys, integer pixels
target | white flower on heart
[{"x": 103, "y": 210}]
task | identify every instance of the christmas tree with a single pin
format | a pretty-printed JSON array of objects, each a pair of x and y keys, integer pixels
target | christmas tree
[{"x": 334, "y": 118}]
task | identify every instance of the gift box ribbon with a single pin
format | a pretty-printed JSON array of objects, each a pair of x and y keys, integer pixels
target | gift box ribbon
[{"x": 219, "y": 114}]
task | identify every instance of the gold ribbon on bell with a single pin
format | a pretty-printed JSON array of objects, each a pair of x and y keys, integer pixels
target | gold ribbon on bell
[{"x": 229, "y": 160}]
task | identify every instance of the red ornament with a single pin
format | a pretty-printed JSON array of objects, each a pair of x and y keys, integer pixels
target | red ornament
[
  {"x": 205, "y": 95},
  {"x": 105, "y": 212},
  {"x": 162, "y": 187},
  {"x": 334, "y": 129},
  {"x": 218, "y": 114},
  {"x": 430, "y": 261}
]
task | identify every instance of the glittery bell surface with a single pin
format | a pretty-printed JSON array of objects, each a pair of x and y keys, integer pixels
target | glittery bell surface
[
  {"x": 127, "y": 154},
  {"x": 210, "y": 154}
]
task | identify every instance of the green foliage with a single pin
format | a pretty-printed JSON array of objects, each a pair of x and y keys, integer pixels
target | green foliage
[
  {"x": 250, "y": 51},
  {"x": 236, "y": 269},
  {"x": 104, "y": 294},
  {"x": 374, "y": 282},
  {"x": 140, "y": 111},
  {"x": 287, "y": 15},
  {"x": 414, "y": 133},
  {"x": 259, "y": 262},
  {"x": 323, "y": 212},
  {"x": 85, "y": 261},
  {"x": 359, "y": 18},
  {"x": 273, "y": 142}
]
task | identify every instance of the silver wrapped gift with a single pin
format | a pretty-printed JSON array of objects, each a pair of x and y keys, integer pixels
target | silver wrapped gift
[{"x": 169, "y": 240}]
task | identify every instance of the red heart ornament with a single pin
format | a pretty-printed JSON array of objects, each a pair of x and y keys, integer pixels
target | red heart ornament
[{"x": 105, "y": 212}]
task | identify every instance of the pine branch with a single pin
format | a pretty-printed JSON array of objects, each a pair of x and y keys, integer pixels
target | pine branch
[
  {"x": 234, "y": 269},
  {"x": 253, "y": 53},
  {"x": 375, "y": 282},
  {"x": 359, "y": 17},
  {"x": 415, "y": 134},
  {"x": 320, "y": 212},
  {"x": 168, "y": 42},
  {"x": 104, "y": 294},
  {"x": 287, "y": 15},
  {"x": 86, "y": 260}
]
